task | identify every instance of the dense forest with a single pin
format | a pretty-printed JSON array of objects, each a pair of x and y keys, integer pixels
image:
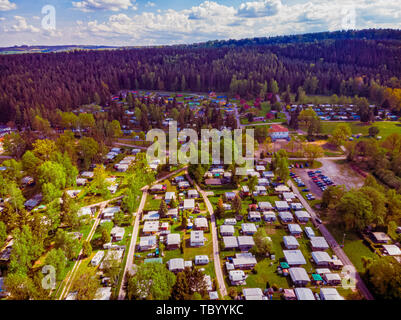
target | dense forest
[{"x": 346, "y": 63}]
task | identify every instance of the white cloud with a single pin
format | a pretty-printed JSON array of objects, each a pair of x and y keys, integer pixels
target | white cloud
[
  {"x": 6, "y": 5},
  {"x": 21, "y": 25},
  {"x": 150, "y": 4},
  {"x": 108, "y": 5},
  {"x": 258, "y": 9}
]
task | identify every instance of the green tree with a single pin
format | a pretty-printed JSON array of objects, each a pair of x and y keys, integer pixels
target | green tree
[
  {"x": 43, "y": 149},
  {"x": 374, "y": 131},
  {"x": 341, "y": 134},
  {"x": 68, "y": 243},
  {"x": 87, "y": 249},
  {"x": 237, "y": 205},
  {"x": 263, "y": 245},
  {"x": 86, "y": 284},
  {"x": 3, "y": 233},
  {"x": 57, "y": 259},
  {"x": 88, "y": 149},
  {"x": 312, "y": 152},
  {"x": 151, "y": 281},
  {"x": 163, "y": 209}
]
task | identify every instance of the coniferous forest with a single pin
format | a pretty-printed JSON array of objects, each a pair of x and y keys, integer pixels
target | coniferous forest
[{"x": 344, "y": 63}]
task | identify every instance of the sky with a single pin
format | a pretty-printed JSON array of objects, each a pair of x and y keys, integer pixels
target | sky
[{"x": 166, "y": 22}]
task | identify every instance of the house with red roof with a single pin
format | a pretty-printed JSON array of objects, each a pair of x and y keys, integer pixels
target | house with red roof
[{"x": 278, "y": 131}]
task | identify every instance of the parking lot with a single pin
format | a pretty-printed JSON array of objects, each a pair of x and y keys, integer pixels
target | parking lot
[{"x": 338, "y": 174}]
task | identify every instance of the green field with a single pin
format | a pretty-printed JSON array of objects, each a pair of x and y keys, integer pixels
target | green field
[{"x": 386, "y": 127}]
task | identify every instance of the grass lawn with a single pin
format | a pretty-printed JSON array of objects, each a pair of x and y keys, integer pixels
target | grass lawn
[
  {"x": 353, "y": 246},
  {"x": 385, "y": 127}
]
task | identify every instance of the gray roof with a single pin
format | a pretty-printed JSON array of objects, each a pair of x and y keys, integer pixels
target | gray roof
[
  {"x": 230, "y": 242},
  {"x": 321, "y": 256},
  {"x": 252, "y": 293},
  {"x": 304, "y": 294},
  {"x": 265, "y": 205},
  {"x": 246, "y": 241},
  {"x": 302, "y": 214},
  {"x": 173, "y": 239},
  {"x": 319, "y": 242},
  {"x": 248, "y": 227},
  {"x": 330, "y": 294},
  {"x": 176, "y": 264},
  {"x": 284, "y": 215},
  {"x": 294, "y": 228},
  {"x": 290, "y": 241},
  {"x": 298, "y": 274},
  {"x": 226, "y": 228},
  {"x": 294, "y": 257}
]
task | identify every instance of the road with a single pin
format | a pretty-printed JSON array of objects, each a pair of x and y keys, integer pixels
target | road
[
  {"x": 131, "y": 252},
  {"x": 216, "y": 250},
  {"x": 333, "y": 243},
  {"x": 75, "y": 268}
]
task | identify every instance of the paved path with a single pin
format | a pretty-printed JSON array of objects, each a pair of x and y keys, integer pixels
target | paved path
[
  {"x": 333, "y": 243},
  {"x": 216, "y": 251},
  {"x": 69, "y": 279},
  {"x": 131, "y": 252}
]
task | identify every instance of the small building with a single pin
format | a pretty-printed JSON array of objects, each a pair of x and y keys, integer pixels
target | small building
[
  {"x": 330, "y": 294},
  {"x": 263, "y": 182},
  {"x": 296, "y": 206},
  {"x": 286, "y": 217},
  {"x": 81, "y": 182},
  {"x": 248, "y": 229},
  {"x": 269, "y": 216},
  {"x": 244, "y": 191},
  {"x": 176, "y": 265},
  {"x": 304, "y": 294},
  {"x": 253, "y": 294},
  {"x": 109, "y": 213},
  {"x": 260, "y": 191},
  {"x": 193, "y": 194},
  {"x": 279, "y": 132},
  {"x": 84, "y": 211},
  {"x": 299, "y": 277},
  {"x": 332, "y": 279},
  {"x": 254, "y": 216},
  {"x": 201, "y": 260},
  {"x": 309, "y": 232},
  {"x": 294, "y": 257},
  {"x": 265, "y": 206},
  {"x": 290, "y": 242},
  {"x": 201, "y": 224},
  {"x": 172, "y": 213},
  {"x": 147, "y": 243},
  {"x": 189, "y": 204},
  {"x": 197, "y": 239},
  {"x": 244, "y": 261},
  {"x": 230, "y": 221},
  {"x": 289, "y": 294},
  {"x": 282, "y": 206},
  {"x": 150, "y": 227},
  {"x": 245, "y": 243},
  {"x": 169, "y": 196},
  {"x": 268, "y": 174},
  {"x": 282, "y": 188},
  {"x": 226, "y": 230},
  {"x": 380, "y": 237},
  {"x": 391, "y": 250},
  {"x": 151, "y": 216},
  {"x": 237, "y": 277},
  {"x": 88, "y": 174},
  {"x": 302, "y": 216},
  {"x": 183, "y": 185},
  {"x": 117, "y": 233},
  {"x": 295, "y": 229},
  {"x": 230, "y": 196},
  {"x": 97, "y": 258},
  {"x": 319, "y": 244},
  {"x": 321, "y": 258},
  {"x": 173, "y": 241},
  {"x": 230, "y": 243},
  {"x": 288, "y": 196}
]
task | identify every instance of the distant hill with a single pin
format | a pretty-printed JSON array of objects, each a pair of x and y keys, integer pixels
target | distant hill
[{"x": 47, "y": 49}]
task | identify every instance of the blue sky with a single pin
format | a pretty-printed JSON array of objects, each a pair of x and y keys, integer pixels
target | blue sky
[{"x": 144, "y": 22}]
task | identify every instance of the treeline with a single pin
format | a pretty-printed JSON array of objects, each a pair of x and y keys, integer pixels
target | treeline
[{"x": 46, "y": 82}]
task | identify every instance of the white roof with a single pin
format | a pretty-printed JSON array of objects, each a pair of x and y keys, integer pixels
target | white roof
[
  {"x": 302, "y": 214},
  {"x": 201, "y": 223},
  {"x": 169, "y": 195},
  {"x": 252, "y": 293},
  {"x": 248, "y": 227},
  {"x": 151, "y": 226},
  {"x": 290, "y": 241},
  {"x": 226, "y": 228},
  {"x": 265, "y": 205},
  {"x": 245, "y": 241},
  {"x": 173, "y": 239},
  {"x": 320, "y": 256},
  {"x": 230, "y": 242},
  {"x": 330, "y": 294},
  {"x": 319, "y": 242},
  {"x": 282, "y": 204},
  {"x": 189, "y": 204},
  {"x": 294, "y": 257},
  {"x": 294, "y": 228},
  {"x": 304, "y": 294},
  {"x": 176, "y": 264},
  {"x": 392, "y": 250}
]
